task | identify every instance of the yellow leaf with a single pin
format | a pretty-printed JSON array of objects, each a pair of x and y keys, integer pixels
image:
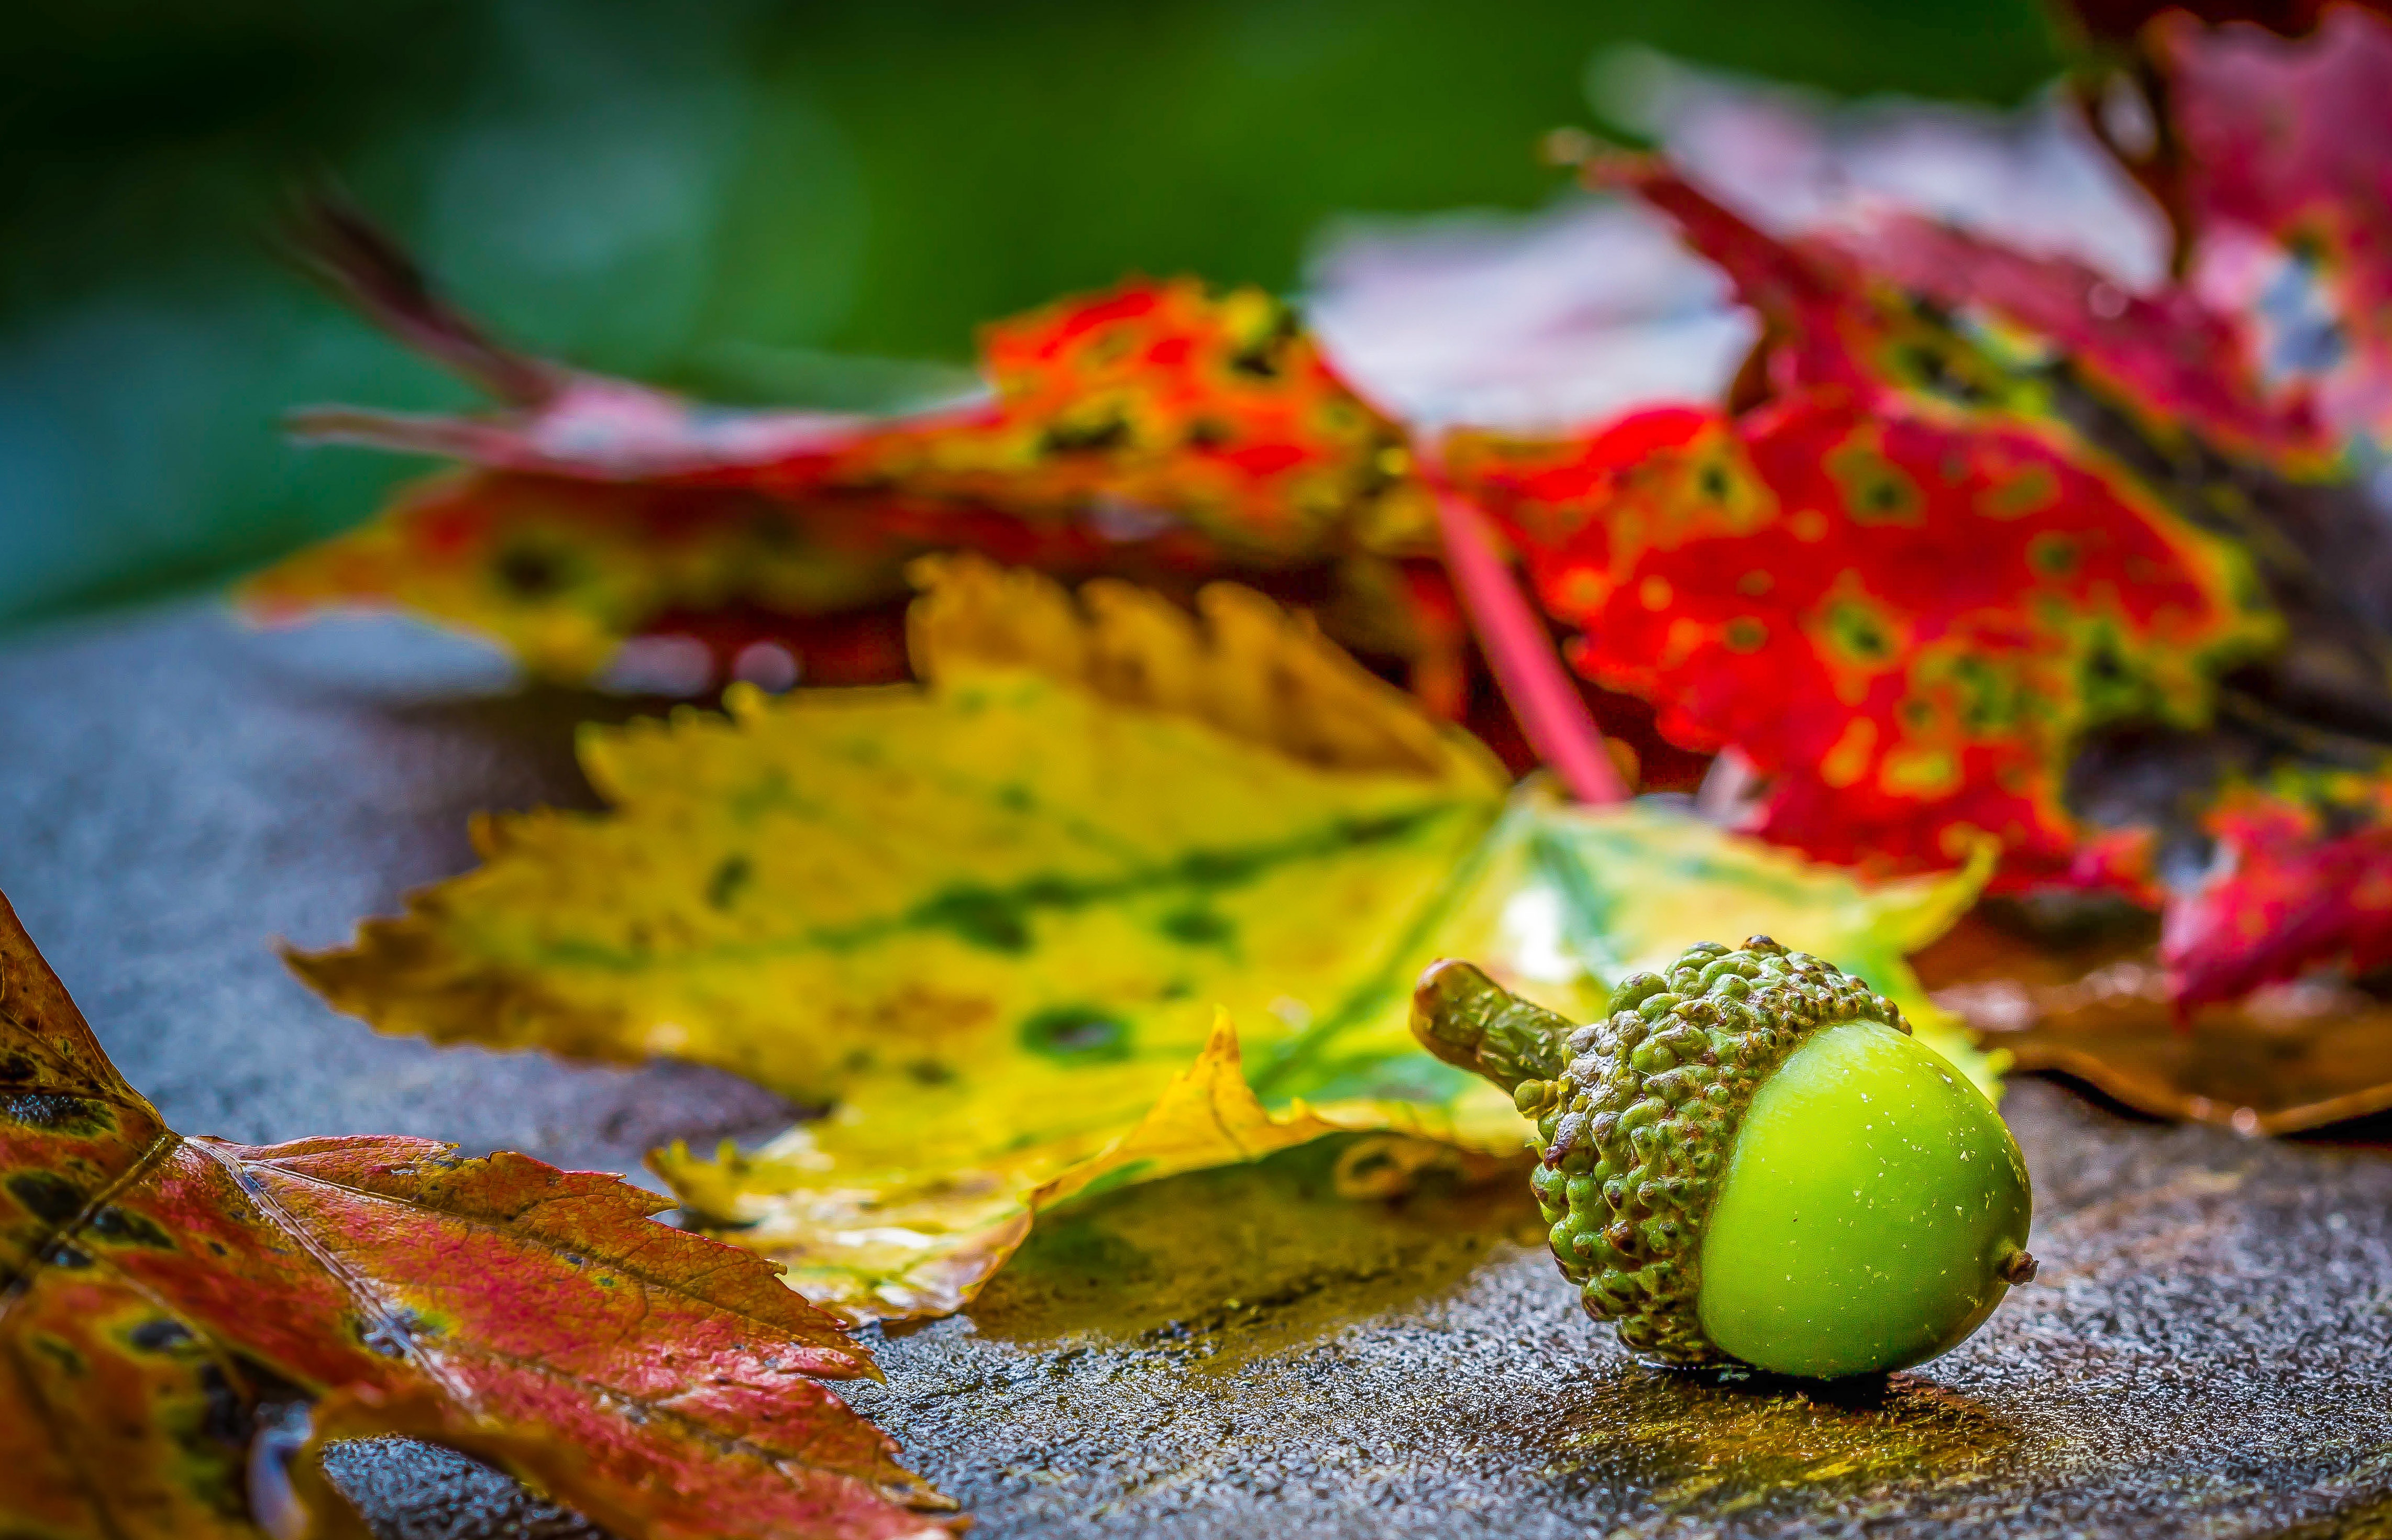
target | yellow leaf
[
  {"x": 990, "y": 918},
  {"x": 1207, "y": 1117},
  {"x": 996, "y": 921},
  {"x": 875, "y": 1216}
]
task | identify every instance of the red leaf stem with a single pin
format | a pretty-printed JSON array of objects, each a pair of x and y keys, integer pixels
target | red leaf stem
[{"x": 1520, "y": 652}]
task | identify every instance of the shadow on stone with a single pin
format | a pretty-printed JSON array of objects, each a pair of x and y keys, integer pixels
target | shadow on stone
[
  {"x": 1220, "y": 1265},
  {"x": 1682, "y": 1437},
  {"x": 533, "y": 731}
]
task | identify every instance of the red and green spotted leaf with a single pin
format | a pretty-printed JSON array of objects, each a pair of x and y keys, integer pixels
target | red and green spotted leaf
[
  {"x": 2140, "y": 513},
  {"x": 2173, "y": 362},
  {"x": 1160, "y": 431},
  {"x": 1984, "y": 547},
  {"x": 171, "y": 1307},
  {"x": 1790, "y": 580},
  {"x": 1214, "y": 411},
  {"x": 1157, "y": 399}
]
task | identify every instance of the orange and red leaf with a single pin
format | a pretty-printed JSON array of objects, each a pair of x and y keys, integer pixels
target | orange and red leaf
[{"x": 168, "y": 1301}]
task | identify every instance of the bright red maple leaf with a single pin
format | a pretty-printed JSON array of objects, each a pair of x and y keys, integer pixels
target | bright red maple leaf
[{"x": 1897, "y": 586}]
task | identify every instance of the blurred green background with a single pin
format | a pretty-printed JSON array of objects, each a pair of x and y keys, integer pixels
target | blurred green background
[{"x": 719, "y": 195}]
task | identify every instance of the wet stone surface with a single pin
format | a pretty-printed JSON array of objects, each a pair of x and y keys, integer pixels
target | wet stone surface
[
  {"x": 1232, "y": 1353},
  {"x": 2204, "y": 1357}
]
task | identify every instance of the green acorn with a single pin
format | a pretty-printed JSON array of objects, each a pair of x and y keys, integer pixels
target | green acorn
[{"x": 1752, "y": 1160}]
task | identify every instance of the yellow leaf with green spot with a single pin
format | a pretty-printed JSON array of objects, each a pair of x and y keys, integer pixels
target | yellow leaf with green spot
[
  {"x": 991, "y": 917},
  {"x": 1000, "y": 924},
  {"x": 898, "y": 1203}
]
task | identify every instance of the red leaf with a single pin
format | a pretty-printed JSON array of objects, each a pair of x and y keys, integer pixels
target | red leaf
[
  {"x": 2161, "y": 396},
  {"x": 1217, "y": 411},
  {"x": 2165, "y": 355},
  {"x": 2292, "y": 890},
  {"x": 1157, "y": 432},
  {"x": 1156, "y": 401},
  {"x": 1791, "y": 582},
  {"x": 1974, "y": 516},
  {"x": 2282, "y": 169},
  {"x": 167, "y": 1299}
]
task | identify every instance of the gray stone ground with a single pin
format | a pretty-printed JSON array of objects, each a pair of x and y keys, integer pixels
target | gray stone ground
[{"x": 1236, "y": 1353}]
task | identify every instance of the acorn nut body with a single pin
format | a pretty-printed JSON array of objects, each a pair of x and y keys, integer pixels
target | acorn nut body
[{"x": 1751, "y": 1160}]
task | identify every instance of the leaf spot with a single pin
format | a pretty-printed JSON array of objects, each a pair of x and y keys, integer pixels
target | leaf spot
[
  {"x": 1077, "y": 1034},
  {"x": 1199, "y": 926},
  {"x": 47, "y": 1196},
  {"x": 980, "y": 915},
  {"x": 723, "y": 888},
  {"x": 158, "y": 1335},
  {"x": 124, "y": 1227}
]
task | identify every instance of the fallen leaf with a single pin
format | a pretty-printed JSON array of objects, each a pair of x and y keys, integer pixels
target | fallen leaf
[
  {"x": 1157, "y": 430},
  {"x": 2172, "y": 601},
  {"x": 790, "y": 891},
  {"x": 1559, "y": 901},
  {"x": 2275, "y": 162},
  {"x": 2282, "y": 1058},
  {"x": 995, "y": 922},
  {"x": 2271, "y": 828},
  {"x": 990, "y": 917},
  {"x": 185, "y": 1321},
  {"x": 1784, "y": 582}
]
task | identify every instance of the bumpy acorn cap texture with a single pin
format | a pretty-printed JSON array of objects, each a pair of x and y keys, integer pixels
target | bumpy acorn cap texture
[{"x": 1635, "y": 1114}]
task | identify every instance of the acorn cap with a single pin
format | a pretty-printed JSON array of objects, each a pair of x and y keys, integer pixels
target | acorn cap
[{"x": 1635, "y": 1114}]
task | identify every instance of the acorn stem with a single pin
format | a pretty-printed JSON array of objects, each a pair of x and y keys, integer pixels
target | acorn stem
[
  {"x": 2017, "y": 1265},
  {"x": 1474, "y": 1023}
]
